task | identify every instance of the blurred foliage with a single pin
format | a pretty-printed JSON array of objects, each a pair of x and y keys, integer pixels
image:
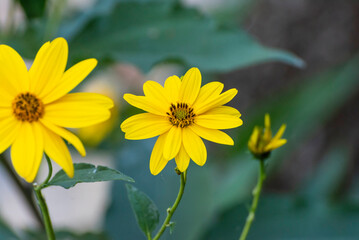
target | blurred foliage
[
  {"x": 33, "y": 8},
  {"x": 150, "y": 32},
  {"x": 145, "y": 33}
]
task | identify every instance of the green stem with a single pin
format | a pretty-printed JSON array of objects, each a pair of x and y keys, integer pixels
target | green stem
[
  {"x": 26, "y": 192},
  {"x": 42, "y": 203},
  {"x": 256, "y": 193},
  {"x": 171, "y": 210}
]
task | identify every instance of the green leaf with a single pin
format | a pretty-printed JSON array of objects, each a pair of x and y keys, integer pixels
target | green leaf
[
  {"x": 33, "y": 8},
  {"x": 145, "y": 210},
  {"x": 85, "y": 172},
  {"x": 146, "y": 33}
]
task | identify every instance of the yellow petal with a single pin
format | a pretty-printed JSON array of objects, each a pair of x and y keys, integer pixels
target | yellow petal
[
  {"x": 173, "y": 143},
  {"x": 218, "y": 121},
  {"x": 27, "y": 150},
  {"x": 172, "y": 87},
  {"x": 76, "y": 110},
  {"x": 275, "y": 144},
  {"x": 6, "y": 112},
  {"x": 280, "y": 132},
  {"x": 267, "y": 135},
  {"x": 224, "y": 110},
  {"x": 145, "y": 125},
  {"x": 207, "y": 93},
  {"x": 9, "y": 128},
  {"x": 182, "y": 159},
  {"x": 253, "y": 140},
  {"x": 215, "y": 101},
  {"x": 13, "y": 71},
  {"x": 155, "y": 91},
  {"x": 157, "y": 161},
  {"x": 212, "y": 135},
  {"x": 194, "y": 146},
  {"x": 67, "y": 135},
  {"x": 70, "y": 79},
  {"x": 48, "y": 67},
  {"x": 57, "y": 150},
  {"x": 190, "y": 86},
  {"x": 145, "y": 103}
]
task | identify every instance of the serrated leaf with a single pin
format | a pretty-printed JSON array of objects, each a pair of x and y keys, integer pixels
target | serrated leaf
[
  {"x": 145, "y": 210},
  {"x": 85, "y": 172},
  {"x": 147, "y": 33}
]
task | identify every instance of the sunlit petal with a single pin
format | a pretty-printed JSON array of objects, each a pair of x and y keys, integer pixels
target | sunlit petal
[
  {"x": 218, "y": 121},
  {"x": 212, "y": 135},
  {"x": 190, "y": 86},
  {"x": 173, "y": 143},
  {"x": 145, "y": 125},
  {"x": 194, "y": 146},
  {"x": 157, "y": 161},
  {"x": 182, "y": 159}
]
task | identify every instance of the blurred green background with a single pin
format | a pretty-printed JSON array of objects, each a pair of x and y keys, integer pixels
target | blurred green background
[{"x": 297, "y": 60}]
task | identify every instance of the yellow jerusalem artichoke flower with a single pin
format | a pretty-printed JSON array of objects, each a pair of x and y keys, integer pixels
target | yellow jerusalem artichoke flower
[
  {"x": 36, "y": 107},
  {"x": 181, "y": 113}
]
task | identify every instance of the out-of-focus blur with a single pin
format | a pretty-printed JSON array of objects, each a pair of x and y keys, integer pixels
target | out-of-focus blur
[{"x": 296, "y": 60}]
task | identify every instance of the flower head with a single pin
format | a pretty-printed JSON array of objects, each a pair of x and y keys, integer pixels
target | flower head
[
  {"x": 181, "y": 113},
  {"x": 36, "y": 107},
  {"x": 261, "y": 142}
]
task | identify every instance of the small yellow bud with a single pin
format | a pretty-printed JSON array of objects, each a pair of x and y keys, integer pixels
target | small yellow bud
[{"x": 261, "y": 142}]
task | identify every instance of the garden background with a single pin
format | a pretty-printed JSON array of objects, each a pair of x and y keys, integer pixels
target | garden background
[{"x": 297, "y": 60}]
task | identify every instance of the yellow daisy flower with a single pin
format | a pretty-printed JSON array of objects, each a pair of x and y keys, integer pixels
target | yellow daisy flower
[
  {"x": 261, "y": 142},
  {"x": 35, "y": 107},
  {"x": 181, "y": 113}
]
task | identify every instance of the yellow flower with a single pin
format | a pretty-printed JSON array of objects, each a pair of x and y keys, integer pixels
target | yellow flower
[
  {"x": 35, "y": 107},
  {"x": 181, "y": 113},
  {"x": 261, "y": 142}
]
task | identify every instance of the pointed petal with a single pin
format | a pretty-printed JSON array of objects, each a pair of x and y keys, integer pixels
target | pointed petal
[
  {"x": 275, "y": 144},
  {"x": 214, "y": 101},
  {"x": 224, "y": 110},
  {"x": 155, "y": 91},
  {"x": 190, "y": 86},
  {"x": 27, "y": 151},
  {"x": 208, "y": 93},
  {"x": 57, "y": 150},
  {"x": 77, "y": 110},
  {"x": 194, "y": 146},
  {"x": 146, "y": 104},
  {"x": 13, "y": 72},
  {"x": 9, "y": 128},
  {"x": 157, "y": 161},
  {"x": 48, "y": 67},
  {"x": 253, "y": 140},
  {"x": 280, "y": 132},
  {"x": 182, "y": 159},
  {"x": 67, "y": 135},
  {"x": 145, "y": 125},
  {"x": 71, "y": 78},
  {"x": 212, "y": 135},
  {"x": 173, "y": 143},
  {"x": 172, "y": 87},
  {"x": 218, "y": 121},
  {"x": 267, "y": 135}
]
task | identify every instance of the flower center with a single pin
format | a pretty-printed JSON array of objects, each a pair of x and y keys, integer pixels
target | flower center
[
  {"x": 27, "y": 107},
  {"x": 181, "y": 115}
]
